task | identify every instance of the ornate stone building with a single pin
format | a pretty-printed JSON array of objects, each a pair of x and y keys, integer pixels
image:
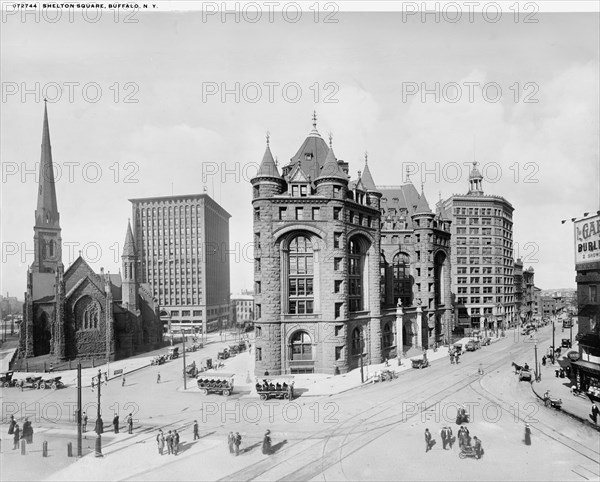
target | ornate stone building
[
  {"x": 329, "y": 273},
  {"x": 77, "y": 313}
]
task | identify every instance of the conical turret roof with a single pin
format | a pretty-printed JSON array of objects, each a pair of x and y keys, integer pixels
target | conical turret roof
[
  {"x": 268, "y": 168},
  {"x": 367, "y": 178},
  {"x": 331, "y": 168},
  {"x": 423, "y": 205}
]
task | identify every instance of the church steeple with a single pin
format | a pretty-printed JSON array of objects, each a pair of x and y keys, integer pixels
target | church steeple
[
  {"x": 129, "y": 290},
  {"x": 47, "y": 240},
  {"x": 46, "y": 213}
]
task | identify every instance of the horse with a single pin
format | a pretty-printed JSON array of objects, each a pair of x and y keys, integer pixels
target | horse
[{"x": 518, "y": 368}]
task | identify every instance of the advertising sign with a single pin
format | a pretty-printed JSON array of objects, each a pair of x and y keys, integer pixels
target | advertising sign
[{"x": 587, "y": 240}]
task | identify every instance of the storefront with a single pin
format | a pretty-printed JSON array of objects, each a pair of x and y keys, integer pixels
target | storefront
[{"x": 587, "y": 375}]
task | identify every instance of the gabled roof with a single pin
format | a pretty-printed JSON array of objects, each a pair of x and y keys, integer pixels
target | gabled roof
[
  {"x": 297, "y": 175},
  {"x": 400, "y": 197}
]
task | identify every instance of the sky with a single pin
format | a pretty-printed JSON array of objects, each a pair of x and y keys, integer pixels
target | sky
[{"x": 177, "y": 103}]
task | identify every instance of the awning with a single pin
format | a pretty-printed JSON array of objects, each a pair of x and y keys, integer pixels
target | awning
[
  {"x": 587, "y": 366},
  {"x": 589, "y": 310}
]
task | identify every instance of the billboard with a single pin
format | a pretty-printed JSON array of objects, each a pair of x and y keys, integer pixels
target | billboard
[{"x": 587, "y": 240}]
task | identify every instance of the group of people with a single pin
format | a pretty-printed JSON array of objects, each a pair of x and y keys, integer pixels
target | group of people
[
  {"x": 171, "y": 441},
  {"x": 454, "y": 355},
  {"x": 266, "y": 386},
  {"x": 234, "y": 441},
  {"x": 26, "y": 433}
]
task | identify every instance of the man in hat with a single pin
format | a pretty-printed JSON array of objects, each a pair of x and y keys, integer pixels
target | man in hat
[
  {"x": 130, "y": 423},
  {"x": 16, "y": 436},
  {"x": 116, "y": 423},
  {"x": 443, "y": 436},
  {"x": 427, "y": 440},
  {"x": 11, "y": 426},
  {"x": 595, "y": 412},
  {"x": 230, "y": 440},
  {"x": 196, "y": 434},
  {"x": 527, "y": 434},
  {"x": 84, "y": 421},
  {"x": 237, "y": 441},
  {"x": 478, "y": 448}
]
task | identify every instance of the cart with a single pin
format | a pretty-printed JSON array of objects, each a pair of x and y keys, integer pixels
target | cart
[
  {"x": 233, "y": 350},
  {"x": 158, "y": 360},
  {"x": 223, "y": 355},
  {"x": 524, "y": 375},
  {"x": 173, "y": 353},
  {"x": 221, "y": 383},
  {"x": 552, "y": 402},
  {"x": 53, "y": 383},
  {"x": 191, "y": 370},
  {"x": 281, "y": 386},
  {"x": 206, "y": 364}
]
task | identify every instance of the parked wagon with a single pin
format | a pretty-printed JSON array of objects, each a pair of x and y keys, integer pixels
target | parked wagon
[
  {"x": 206, "y": 364},
  {"x": 191, "y": 370},
  {"x": 525, "y": 375},
  {"x": 158, "y": 360},
  {"x": 223, "y": 355},
  {"x": 552, "y": 402},
  {"x": 422, "y": 362},
  {"x": 233, "y": 350},
  {"x": 275, "y": 387},
  {"x": 53, "y": 383},
  {"x": 221, "y": 383},
  {"x": 7, "y": 380},
  {"x": 173, "y": 353}
]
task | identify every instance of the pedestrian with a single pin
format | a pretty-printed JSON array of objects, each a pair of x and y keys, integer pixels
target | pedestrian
[
  {"x": 595, "y": 412},
  {"x": 169, "y": 440},
  {"x": 451, "y": 358},
  {"x": 27, "y": 431},
  {"x": 544, "y": 360},
  {"x": 387, "y": 363},
  {"x": 461, "y": 438},
  {"x": 478, "y": 448},
  {"x": 116, "y": 423},
  {"x": 237, "y": 441},
  {"x": 230, "y": 442},
  {"x": 158, "y": 378},
  {"x": 443, "y": 436},
  {"x": 527, "y": 434},
  {"x": 456, "y": 357},
  {"x": 266, "y": 446},
  {"x": 84, "y": 421},
  {"x": 266, "y": 373},
  {"x": 160, "y": 440},
  {"x": 175, "y": 442},
  {"x": 449, "y": 436},
  {"x": 196, "y": 434},
  {"x": 11, "y": 425},
  {"x": 123, "y": 380},
  {"x": 130, "y": 423},
  {"x": 428, "y": 441},
  {"x": 16, "y": 436}
]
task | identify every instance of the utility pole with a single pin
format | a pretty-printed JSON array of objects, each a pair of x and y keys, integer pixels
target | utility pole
[
  {"x": 79, "y": 442},
  {"x": 536, "y": 362},
  {"x": 553, "y": 345},
  {"x": 99, "y": 423},
  {"x": 184, "y": 374},
  {"x": 362, "y": 375}
]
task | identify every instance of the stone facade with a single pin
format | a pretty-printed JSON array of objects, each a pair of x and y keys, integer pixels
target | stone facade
[
  {"x": 320, "y": 266},
  {"x": 77, "y": 313}
]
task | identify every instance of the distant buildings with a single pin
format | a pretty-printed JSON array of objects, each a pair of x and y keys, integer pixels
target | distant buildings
[
  {"x": 345, "y": 273},
  {"x": 482, "y": 257},
  {"x": 184, "y": 256},
  {"x": 242, "y": 309},
  {"x": 524, "y": 292},
  {"x": 78, "y": 313}
]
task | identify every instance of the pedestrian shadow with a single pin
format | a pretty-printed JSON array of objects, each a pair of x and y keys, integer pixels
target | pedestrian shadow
[
  {"x": 250, "y": 448},
  {"x": 278, "y": 446},
  {"x": 130, "y": 384},
  {"x": 206, "y": 435},
  {"x": 299, "y": 391}
]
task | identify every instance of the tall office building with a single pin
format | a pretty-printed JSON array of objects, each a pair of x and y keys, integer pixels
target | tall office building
[
  {"x": 482, "y": 257},
  {"x": 183, "y": 244}
]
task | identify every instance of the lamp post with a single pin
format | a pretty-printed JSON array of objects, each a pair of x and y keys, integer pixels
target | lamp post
[
  {"x": 499, "y": 308},
  {"x": 99, "y": 429},
  {"x": 362, "y": 347}
]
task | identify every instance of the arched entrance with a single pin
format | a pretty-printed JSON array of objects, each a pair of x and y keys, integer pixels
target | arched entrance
[{"x": 42, "y": 335}]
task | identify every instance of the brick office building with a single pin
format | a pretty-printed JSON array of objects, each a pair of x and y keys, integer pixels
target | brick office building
[
  {"x": 482, "y": 257},
  {"x": 77, "y": 313},
  {"x": 184, "y": 256},
  {"x": 329, "y": 275}
]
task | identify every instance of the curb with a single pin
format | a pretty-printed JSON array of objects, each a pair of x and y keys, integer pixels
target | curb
[{"x": 579, "y": 418}]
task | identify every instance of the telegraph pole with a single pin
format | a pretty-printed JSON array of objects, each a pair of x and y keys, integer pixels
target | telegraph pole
[
  {"x": 553, "y": 345},
  {"x": 79, "y": 442},
  {"x": 536, "y": 362},
  {"x": 184, "y": 374},
  {"x": 99, "y": 423}
]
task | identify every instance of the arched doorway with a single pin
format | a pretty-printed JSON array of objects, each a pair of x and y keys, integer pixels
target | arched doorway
[{"x": 42, "y": 335}]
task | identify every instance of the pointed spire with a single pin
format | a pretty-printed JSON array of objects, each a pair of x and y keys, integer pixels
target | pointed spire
[
  {"x": 422, "y": 205},
  {"x": 129, "y": 246},
  {"x": 268, "y": 168},
  {"x": 314, "y": 131},
  {"x": 331, "y": 168},
  {"x": 367, "y": 178},
  {"x": 408, "y": 175},
  {"x": 46, "y": 213}
]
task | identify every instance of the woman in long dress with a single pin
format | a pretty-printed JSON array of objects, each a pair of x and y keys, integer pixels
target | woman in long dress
[{"x": 266, "y": 446}]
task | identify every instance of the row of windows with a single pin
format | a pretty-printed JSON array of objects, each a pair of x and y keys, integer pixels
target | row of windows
[{"x": 481, "y": 211}]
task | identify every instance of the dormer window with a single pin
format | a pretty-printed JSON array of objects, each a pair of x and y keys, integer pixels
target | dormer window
[
  {"x": 299, "y": 190},
  {"x": 308, "y": 156}
]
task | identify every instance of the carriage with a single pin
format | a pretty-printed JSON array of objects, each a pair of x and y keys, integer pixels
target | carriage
[
  {"x": 552, "y": 402},
  {"x": 158, "y": 360},
  {"x": 29, "y": 382},
  {"x": 53, "y": 383},
  {"x": 281, "y": 386},
  {"x": 524, "y": 375},
  {"x": 221, "y": 383},
  {"x": 191, "y": 370},
  {"x": 223, "y": 355},
  {"x": 422, "y": 362}
]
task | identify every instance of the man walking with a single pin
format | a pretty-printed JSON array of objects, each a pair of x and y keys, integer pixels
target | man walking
[
  {"x": 237, "y": 441},
  {"x": 169, "y": 440},
  {"x": 130, "y": 423},
  {"x": 478, "y": 448},
  {"x": 527, "y": 434},
  {"x": 122, "y": 379},
  {"x": 16, "y": 436},
  {"x": 158, "y": 378},
  {"x": 84, "y": 421},
  {"x": 427, "y": 440},
  {"x": 196, "y": 434},
  {"x": 175, "y": 442},
  {"x": 160, "y": 440},
  {"x": 443, "y": 436},
  {"x": 449, "y": 436}
]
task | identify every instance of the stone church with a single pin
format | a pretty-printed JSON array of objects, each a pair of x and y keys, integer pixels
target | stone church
[
  {"x": 78, "y": 313},
  {"x": 345, "y": 272}
]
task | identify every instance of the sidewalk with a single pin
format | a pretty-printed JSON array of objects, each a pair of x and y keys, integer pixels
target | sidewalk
[{"x": 577, "y": 407}]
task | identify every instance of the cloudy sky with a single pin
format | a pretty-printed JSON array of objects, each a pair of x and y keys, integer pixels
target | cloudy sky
[{"x": 176, "y": 102}]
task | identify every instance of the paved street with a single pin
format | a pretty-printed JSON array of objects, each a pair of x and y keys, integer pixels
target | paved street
[{"x": 372, "y": 432}]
